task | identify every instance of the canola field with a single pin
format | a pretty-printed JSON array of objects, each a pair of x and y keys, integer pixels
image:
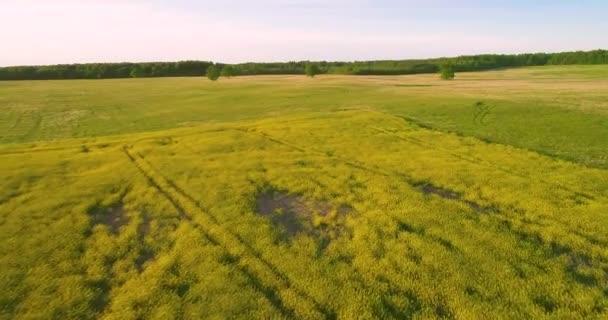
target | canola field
[{"x": 284, "y": 197}]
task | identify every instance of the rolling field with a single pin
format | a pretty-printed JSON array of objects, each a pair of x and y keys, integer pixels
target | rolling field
[{"x": 283, "y": 197}]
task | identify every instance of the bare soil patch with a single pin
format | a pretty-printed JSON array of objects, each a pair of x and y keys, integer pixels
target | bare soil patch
[
  {"x": 444, "y": 193},
  {"x": 145, "y": 257},
  {"x": 429, "y": 189},
  {"x": 292, "y": 214},
  {"x": 113, "y": 217}
]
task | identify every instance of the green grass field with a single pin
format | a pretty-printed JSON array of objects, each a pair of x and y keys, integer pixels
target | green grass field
[{"x": 282, "y": 197}]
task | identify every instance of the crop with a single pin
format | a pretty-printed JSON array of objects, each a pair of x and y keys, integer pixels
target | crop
[{"x": 337, "y": 212}]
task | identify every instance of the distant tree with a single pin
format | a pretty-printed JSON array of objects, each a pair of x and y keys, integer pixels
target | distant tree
[
  {"x": 380, "y": 67},
  {"x": 135, "y": 72},
  {"x": 213, "y": 73},
  {"x": 447, "y": 71},
  {"x": 311, "y": 70},
  {"x": 101, "y": 71},
  {"x": 227, "y": 71}
]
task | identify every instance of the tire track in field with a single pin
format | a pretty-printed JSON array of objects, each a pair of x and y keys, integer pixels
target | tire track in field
[
  {"x": 26, "y": 151},
  {"x": 395, "y": 314},
  {"x": 273, "y": 284},
  {"x": 553, "y": 249},
  {"x": 477, "y": 160},
  {"x": 34, "y": 128},
  {"x": 415, "y": 183},
  {"x": 75, "y": 146},
  {"x": 17, "y": 121},
  {"x": 269, "y": 293},
  {"x": 485, "y": 163}
]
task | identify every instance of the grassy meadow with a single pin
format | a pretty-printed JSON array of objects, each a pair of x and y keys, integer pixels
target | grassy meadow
[{"x": 281, "y": 197}]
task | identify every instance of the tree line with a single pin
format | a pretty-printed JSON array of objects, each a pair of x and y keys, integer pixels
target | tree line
[{"x": 378, "y": 67}]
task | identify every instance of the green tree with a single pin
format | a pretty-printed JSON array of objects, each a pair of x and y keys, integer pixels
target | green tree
[
  {"x": 447, "y": 71},
  {"x": 213, "y": 73},
  {"x": 135, "y": 72},
  {"x": 227, "y": 71},
  {"x": 311, "y": 70}
]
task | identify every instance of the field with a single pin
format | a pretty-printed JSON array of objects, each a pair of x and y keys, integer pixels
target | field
[{"x": 281, "y": 197}]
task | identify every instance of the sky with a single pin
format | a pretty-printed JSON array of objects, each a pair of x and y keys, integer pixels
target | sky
[{"x": 36, "y": 32}]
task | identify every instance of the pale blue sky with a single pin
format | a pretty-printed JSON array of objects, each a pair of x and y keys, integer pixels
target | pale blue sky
[{"x": 68, "y": 31}]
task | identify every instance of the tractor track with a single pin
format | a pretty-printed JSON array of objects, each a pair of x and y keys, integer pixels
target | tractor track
[
  {"x": 264, "y": 276},
  {"x": 415, "y": 183},
  {"x": 485, "y": 163}
]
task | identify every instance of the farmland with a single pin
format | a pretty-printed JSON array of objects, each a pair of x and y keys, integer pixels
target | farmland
[{"x": 485, "y": 197}]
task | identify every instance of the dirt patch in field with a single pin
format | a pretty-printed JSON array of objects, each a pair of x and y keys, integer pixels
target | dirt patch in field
[
  {"x": 429, "y": 189},
  {"x": 292, "y": 214},
  {"x": 145, "y": 257},
  {"x": 283, "y": 209},
  {"x": 113, "y": 217},
  {"x": 444, "y": 193}
]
